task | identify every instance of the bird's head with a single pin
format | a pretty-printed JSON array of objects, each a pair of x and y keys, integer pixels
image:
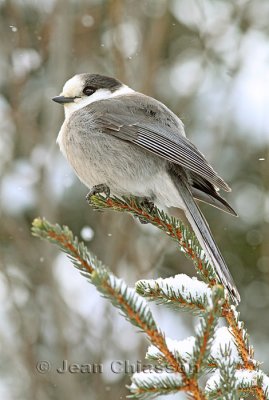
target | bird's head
[{"x": 84, "y": 89}]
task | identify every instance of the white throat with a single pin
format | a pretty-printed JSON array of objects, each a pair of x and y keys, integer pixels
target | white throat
[{"x": 100, "y": 94}]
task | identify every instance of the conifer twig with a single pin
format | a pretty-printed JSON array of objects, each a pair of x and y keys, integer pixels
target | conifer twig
[
  {"x": 117, "y": 291},
  {"x": 240, "y": 335},
  {"x": 204, "y": 298},
  {"x": 191, "y": 248},
  {"x": 188, "y": 245},
  {"x": 179, "y": 292},
  {"x": 205, "y": 335}
]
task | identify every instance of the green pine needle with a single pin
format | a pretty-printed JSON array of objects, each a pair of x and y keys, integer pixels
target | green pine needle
[
  {"x": 148, "y": 385},
  {"x": 162, "y": 291},
  {"x": 205, "y": 332}
]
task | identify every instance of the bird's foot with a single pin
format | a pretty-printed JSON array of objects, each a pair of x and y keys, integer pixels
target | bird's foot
[
  {"x": 97, "y": 189},
  {"x": 146, "y": 203}
]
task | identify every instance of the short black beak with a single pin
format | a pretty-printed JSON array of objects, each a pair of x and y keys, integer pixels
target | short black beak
[{"x": 63, "y": 100}]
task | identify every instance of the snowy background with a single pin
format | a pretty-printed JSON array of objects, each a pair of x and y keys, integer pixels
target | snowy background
[{"x": 209, "y": 62}]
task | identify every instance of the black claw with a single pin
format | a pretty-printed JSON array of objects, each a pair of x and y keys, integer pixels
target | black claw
[
  {"x": 97, "y": 189},
  {"x": 148, "y": 204}
]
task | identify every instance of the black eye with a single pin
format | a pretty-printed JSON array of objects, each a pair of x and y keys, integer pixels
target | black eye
[{"x": 88, "y": 90}]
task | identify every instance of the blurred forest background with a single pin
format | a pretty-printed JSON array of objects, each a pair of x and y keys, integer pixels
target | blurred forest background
[{"x": 206, "y": 60}]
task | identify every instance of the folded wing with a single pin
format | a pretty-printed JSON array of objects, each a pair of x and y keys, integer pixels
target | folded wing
[{"x": 149, "y": 124}]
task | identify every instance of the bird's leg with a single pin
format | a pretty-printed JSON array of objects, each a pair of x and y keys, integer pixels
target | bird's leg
[
  {"x": 146, "y": 203},
  {"x": 97, "y": 189}
]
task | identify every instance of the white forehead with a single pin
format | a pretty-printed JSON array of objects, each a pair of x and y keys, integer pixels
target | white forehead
[{"x": 73, "y": 86}]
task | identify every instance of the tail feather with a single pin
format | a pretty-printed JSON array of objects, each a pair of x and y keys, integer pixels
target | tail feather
[{"x": 205, "y": 238}]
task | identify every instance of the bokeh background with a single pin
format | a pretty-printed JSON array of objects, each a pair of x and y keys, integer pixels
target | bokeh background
[{"x": 209, "y": 62}]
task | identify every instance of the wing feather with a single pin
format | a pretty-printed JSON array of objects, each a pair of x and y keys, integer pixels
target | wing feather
[{"x": 149, "y": 124}]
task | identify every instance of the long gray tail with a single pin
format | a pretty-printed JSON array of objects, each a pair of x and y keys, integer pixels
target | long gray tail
[{"x": 205, "y": 238}]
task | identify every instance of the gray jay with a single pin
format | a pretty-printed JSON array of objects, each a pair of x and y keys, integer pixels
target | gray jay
[{"x": 122, "y": 142}]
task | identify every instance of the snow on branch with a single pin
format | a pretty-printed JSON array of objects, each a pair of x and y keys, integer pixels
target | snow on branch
[
  {"x": 133, "y": 306},
  {"x": 224, "y": 344},
  {"x": 146, "y": 385},
  {"x": 188, "y": 244},
  {"x": 179, "y": 291},
  {"x": 183, "y": 348},
  {"x": 205, "y": 332},
  {"x": 244, "y": 381},
  {"x": 224, "y": 351},
  {"x": 236, "y": 327}
]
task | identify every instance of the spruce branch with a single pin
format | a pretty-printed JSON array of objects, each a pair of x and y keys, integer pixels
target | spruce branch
[
  {"x": 178, "y": 292},
  {"x": 189, "y": 245},
  {"x": 227, "y": 383},
  {"x": 224, "y": 347},
  {"x": 188, "y": 293},
  {"x": 205, "y": 334},
  {"x": 240, "y": 335},
  {"x": 147, "y": 385},
  {"x": 180, "y": 348},
  {"x": 191, "y": 248},
  {"x": 214, "y": 389},
  {"x": 133, "y": 306},
  {"x": 206, "y": 299},
  {"x": 222, "y": 384}
]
